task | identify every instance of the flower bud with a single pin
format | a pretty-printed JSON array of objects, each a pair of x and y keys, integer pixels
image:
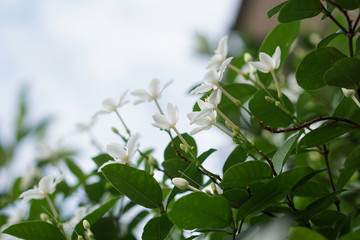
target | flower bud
[
  {"x": 277, "y": 103},
  {"x": 151, "y": 161},
  {"x": 44, "y": 217},
  {"x": 86, "y": 224},
  {"x": 248, "y": 57},
  {"x": 180, "y": 183},
  {"x": 348, "y": 92},
  {"x": 269, "y": 99},
  {"x": 115, "y": 130},
  {"x": 80, "y": 237},
  {"x": 213, "y": 187}
]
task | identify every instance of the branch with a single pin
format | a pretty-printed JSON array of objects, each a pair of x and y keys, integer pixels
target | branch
[{"x": 307, "y": 124}]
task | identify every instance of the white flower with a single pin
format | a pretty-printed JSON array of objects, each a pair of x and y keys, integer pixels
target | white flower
[
  {"x": 167, "y": 122},
  {"x": 152, "y": 93},
  {"x": 183, "y": 184},
  {"x": 204, "y": 123},
  {"x": 112, "y": 104},
  {"x": 120, "y": 153},
  {"x": 47, "y": 185},
  {"x": 212, "y": 78},
  {"x": 267, "y": 63},
  {"x": 85, "y": 126},
  {"x": 206, "y": 106},
  {"x": 219, "y": 55},
  {"x": 348, "y": 92}
]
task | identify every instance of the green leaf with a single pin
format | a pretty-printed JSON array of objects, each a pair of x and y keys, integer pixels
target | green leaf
[
  {"x": 197, "y": 210},
  {"x": 246, "y": 173},
  {"x": 236, "y": 197},
  {"x": 157, "y": 228},
  {"x": 283, "y": 153},
  {"x": 324, "y": 134},
  {"x": 282, "y": 35},
  {"x": 267, "y": 111},
  {"x": 351, "y": 236},
  {"x": 312, "y": 68},
  {"x": 101, "y": 159},
  {"x": 344, "y": 73},
  {"x": 328, "y": 218},
  {"x": 357, "y": 44},
  {"x": 311, "y": 189},
  {"x": 347, "y": 108},
  {"x": 352, "y": 162},
  {"x": 173, "y": 149},
  {"x": 175, "y": 166},
  {"x": 308, "y": 107},
  {"x": 275, "y": 10},
  {"x": 75, "y": 169},
  {"x": 295, "y": 10},
  {"x": 273, "y": 191},
  {"x": 301, "y": 233},
  {"x": 238, "y": 155},
  {"x": 136, "y": 184},
  {"x": 325, "y": 41},
  {"x": 93, "y": 217},
  {"x": 137, "y": 219},
  {"x": 35, "y": 230},
  {"x": 348, "y": 4}
]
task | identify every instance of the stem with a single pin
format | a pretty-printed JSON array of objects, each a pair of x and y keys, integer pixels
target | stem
[
  {"x": 327, "y": 13},
  {"x": 52, "y": 207},
  {"x": 233, "y": 125},
  {"x": 277, "y": 85},
  {"x": 356, "y": 101},
  {"x": 122, "y": 121},
  {"x": 158, "y": 106},
  {"x": 325, "y": 152},
  {"x": 181, "y": 138},
  {"x": 237, "y": 70},
  {"x": 223, "y": 129}
]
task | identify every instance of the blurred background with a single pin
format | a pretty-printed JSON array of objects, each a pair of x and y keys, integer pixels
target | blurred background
[{"x": 60, "y": 59}]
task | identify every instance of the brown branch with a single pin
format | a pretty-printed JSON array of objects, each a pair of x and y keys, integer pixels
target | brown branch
[
  {"x": 307, "y": 124},
  {"x": 327, "y": 13}
]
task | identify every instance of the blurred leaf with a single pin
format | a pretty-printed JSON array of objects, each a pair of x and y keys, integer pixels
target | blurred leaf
[
  {"x": 325, "y": 41},
  {"x": 275, "y": 9},
  {"x": 311, "y": 189},
  {"x": 136, "y": 184},
  {"x": 347, "y": 109},
  {"x": 105, "y": 228},
  {"x": 283, "y": 153},
  {"x": 301, "y": 233},
  {"x": 238, "y": 155},
  {"x": 351, "y": 236},
  {"x": 157, "y": 228},
  {"x": 282, "y": 35},
  {"x": 246, "y": 173},
  {"x": 102, "y": 158},
  {"x": 75, "y": 169},
  {"x": 299, "y": 9},
  {"x": 3, "y": 219},
  {"x": 197, "y": 210},
  {"x": 173, "y": 149},
  {"x": 35, "y": 230},
  {"x": 352, "y": 162},
  {"x": 324, "y": 134},
  {"x": 328, "y": 218},
  {"x": 273, "y": 191},
  {"x": 344, "y": 73},
  {"x": 348, "y": 4},
  {"x": 136, "y": 219},
  {"x": 312, "y": 68},
  {"x": 93, "y": 217},
  {"x": 308, "y": 107},
  {"x": 269, "y": 113},
  {"x": 95, "y": 191}
]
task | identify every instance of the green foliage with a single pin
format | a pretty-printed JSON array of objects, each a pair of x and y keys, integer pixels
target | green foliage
[{"x": 157, "y": 228}]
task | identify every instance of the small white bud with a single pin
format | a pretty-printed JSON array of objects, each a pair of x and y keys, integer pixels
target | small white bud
[
  {"x": 348, "y": 92},
  {"x": 248, "y": 57},
  {"x": 86, "y": 224},
  {"x": 180, "y": 183},
  {"x": 44, "y": 217}
]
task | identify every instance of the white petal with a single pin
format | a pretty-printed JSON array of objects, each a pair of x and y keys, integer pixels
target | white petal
[
  {"x": 215, "y": 97},
  {"x": 165, "y": 86},
  {"x": 191, "y": 115},
  {"x": 32, "y": 194},
  {"x": 199, "y": 129},
  {"x": 276, "y": 57},
  {"x": 132, "y": 145},
  {"x": 161, "y": 121},
  {"x": 110, "y": 104},
  {"x": 122, "y": 100},
  {"x": 46, "y": 184},
  {"x": 202, "y": 88},
  {"x": 266, "y": 60},
  {"x": 204, "y": 112},
  {"x": 142, "y": 93},
  {"x": 223, "y": 47},
  {"x": 215, "y": 61},
  {"x": 173, "y": 114},
  {"x": 211, "y": 77},
  {"x": 260, "y": 66},
  {"x": 154, "y": 87},
  {"x": 116, "y": 150}
]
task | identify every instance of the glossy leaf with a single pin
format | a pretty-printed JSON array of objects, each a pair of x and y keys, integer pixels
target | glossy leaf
[
  {"x": 311, "y": 189},
  {"x": 273, "y": 191},
  {"x": 344, "y": 73},
  {"x": 246, "y": 173},
  {"x": 136, "y": 184},
  {"x": 75, "y": 169},
  {"x": 312, "y": 68},
  {"x": 35, "y": 230},
  {"x": 236, "y": 197},
  {"x": 175, "y": 167},
  {"x": 348, "y": 4},
  {"x": 93, "y": 217},
  {"x": 324, "y": 134},
  {"x": 282, "y": 35},
  {"x": 101, "y": 159},
  {"x": 283, "y": 153},
  {"x": 157, "y": 228},
  {"x": 299, "y": 9},
  {"x": 197, "y": 210},
  {"x": 301, "y": 233},
  {"x": 325, "y": 41},
  {"x": 275, "y": 10},
  {"x": 267, "y": 111},
  {"x": 238, "y": 155}
]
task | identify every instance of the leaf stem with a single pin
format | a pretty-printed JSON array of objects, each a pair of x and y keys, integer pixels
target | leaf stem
[{"x": 122, "y": 121}]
